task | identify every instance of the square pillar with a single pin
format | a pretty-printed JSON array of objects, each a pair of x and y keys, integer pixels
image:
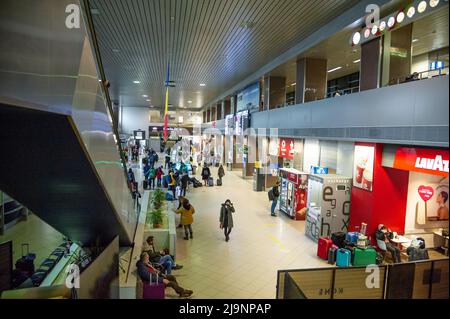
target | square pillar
[
  {"x": 369, "y": 77},
  {"x": 311, "y": 80}
]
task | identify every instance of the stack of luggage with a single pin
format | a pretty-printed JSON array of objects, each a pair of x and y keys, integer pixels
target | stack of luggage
[{"x": 195, "y": 182}]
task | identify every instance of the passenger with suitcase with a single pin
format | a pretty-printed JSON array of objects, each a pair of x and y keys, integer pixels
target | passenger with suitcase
[
  {"x": 221, "y": 174},
  {"x": 206, "y": 173},
  {"x": 149, "y": 274}
]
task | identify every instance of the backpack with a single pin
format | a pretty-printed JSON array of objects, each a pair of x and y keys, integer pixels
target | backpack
[{"x": 270, "y": 194}]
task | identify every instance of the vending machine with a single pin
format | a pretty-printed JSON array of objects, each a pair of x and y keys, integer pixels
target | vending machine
[
  {"x": 328, "y": 205},
  {"x": 293, "y": 193}
]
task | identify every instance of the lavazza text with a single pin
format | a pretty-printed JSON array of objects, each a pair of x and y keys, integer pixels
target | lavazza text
[{"x": 227, "y": 309}]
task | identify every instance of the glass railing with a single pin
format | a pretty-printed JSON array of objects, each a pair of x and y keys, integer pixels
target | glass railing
[{"x": 410, "y": 280}]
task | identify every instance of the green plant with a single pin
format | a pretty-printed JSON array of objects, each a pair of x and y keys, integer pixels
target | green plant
[
  {"x": 156, "y": 217},
  {"x": 158, "y": 197}
]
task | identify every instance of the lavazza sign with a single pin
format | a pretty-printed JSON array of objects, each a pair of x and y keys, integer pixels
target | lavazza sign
[{"x": 435, "y": 164}]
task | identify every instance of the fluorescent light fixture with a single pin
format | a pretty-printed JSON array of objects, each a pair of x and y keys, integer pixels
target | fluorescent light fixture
[
  {"x": 148, "y": 100},
  {"x": 391, "y": 22},
  {"x": 356, "y": 38},
  {"x": 422, "y": 6},
  {"x": 382, "y": 25},
  {"x": 335, "y": 69},
  {"x": 202, "y": 84},
  {"x": 414, "y": 40},
  {"x": 367, "y": 33},
  {"x": 411, "y": 11},
  {"x": 357, "y": 61},
  {"x": 374, "y": 29},
  {"x": 434, "y": 3},
  {"x": 400, "y": 17},
  {"x": 144, "y": 95},
  {"x": 115, "y": 50},
  {"x": 189, "y": 102},
  {"x": 293, "y": 84},
  {"x": 136, "y": 82}
]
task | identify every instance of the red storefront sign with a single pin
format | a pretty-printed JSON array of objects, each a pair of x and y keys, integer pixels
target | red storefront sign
[
  {"x": 286, "y": 148},
  {"x": 422, "y": 160},
  {"x": 293, "y": 178}
]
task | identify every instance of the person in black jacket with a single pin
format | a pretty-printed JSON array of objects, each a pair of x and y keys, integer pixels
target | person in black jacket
[
  {"x": 206, "y": 173},
  {"x": 184, "y": 183},
  {"x": 226, "y": 218},
  {"x": 276, "y": 194}
]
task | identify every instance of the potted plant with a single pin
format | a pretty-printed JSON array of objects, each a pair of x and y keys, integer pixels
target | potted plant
[
  {"x": 158, "y": 197},
  {"x": 156, "y": 218}
]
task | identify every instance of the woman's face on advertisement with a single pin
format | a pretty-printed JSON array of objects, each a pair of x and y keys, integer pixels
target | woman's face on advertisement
[{"x": 440, "y": 199}]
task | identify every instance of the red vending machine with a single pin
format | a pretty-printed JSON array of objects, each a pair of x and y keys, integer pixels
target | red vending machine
[{"x": 293, "y": 192}]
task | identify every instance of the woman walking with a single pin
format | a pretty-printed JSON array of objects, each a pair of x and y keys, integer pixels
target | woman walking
[
  {"x": 186, "y": 212},
  {"x": 226, "y": 218}
]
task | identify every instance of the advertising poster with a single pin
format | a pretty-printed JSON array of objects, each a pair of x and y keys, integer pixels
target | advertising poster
[
  {"x": 427, "y": 206},
  {"x": 363, "y": 167}
]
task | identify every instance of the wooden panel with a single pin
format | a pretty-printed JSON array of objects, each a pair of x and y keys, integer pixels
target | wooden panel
[
  {"x": 350, "y": 283},
  {"x": 314, "y": 284},
  {"x": 421, "y": 288},
  {"x": 370, "y": 64},
  {"x": 439, "y": 289},
  {"x": 400, "y": 281}
]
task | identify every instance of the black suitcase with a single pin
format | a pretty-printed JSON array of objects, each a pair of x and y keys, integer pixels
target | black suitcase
[
  {"x": 145, "y": 184},
  {"x": 25, "y": 264},
  {"x": 338, "y": 239},
  {"x": 332, "y": 255},
  {"x": 219, "y": 182}
]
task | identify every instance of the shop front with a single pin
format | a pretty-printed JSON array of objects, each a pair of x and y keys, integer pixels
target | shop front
[
  {"x": 404, "y": 188},
  {"x": 293, "y": 193}
]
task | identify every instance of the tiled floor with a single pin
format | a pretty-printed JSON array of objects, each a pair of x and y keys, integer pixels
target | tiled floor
[{"x": 246, "y": 266}]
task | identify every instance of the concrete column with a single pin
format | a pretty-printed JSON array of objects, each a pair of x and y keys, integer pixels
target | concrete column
[
  {"x": 311, "y": 80},
  {"x": 213, "y": 113},
  {"x": 222, "y": 108},
  {"x": 371, "y": 53},
  {"x": 208, "y": 114},
  {"x": 232, "y": 104},
  {"x": 227, "y": 107}
]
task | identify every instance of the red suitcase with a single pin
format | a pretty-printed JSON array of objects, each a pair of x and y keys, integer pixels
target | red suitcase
[{"x": 323, "y": 246}]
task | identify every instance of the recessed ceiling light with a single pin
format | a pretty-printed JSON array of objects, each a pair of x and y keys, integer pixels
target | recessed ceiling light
[
  {"x": 434, "y": 3},
  {"x": 335, "y": 69},
  {"x": 374, "y": 29},
  {"x": 136, "y": 82},
  {"x": 382, "y": 25},
  {"x": 367, "y": 33},
  {"x": 411, "y": 11},
  {"x": 400, "y": 17},
  {"x": 115, "y": 50},
  {"x": 202, "y": 84},
  {"x": 422, "y": 6},
  {"x": 293, "y": 84},
  {"x": 391, "y": 22},
  {"x": 356, "y": 38},
  {"x": 148, "y": 100},
  {"x": 189, "y": 102},
  {"x": 357, "y": 61},
  {"x": 144, "y": 95},
  {"x": 415, "y": 40}
]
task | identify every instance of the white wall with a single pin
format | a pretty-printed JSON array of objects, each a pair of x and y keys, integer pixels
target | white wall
[
  {"x": 420, "y": 63},
  {"x": 311, "y": 155},
  {"x": 345, "y": 158},
  {"x": 134, "y": 118}
]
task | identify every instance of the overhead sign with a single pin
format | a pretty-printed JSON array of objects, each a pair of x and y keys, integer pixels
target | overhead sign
[
  {"x": 430, "y": 161},
  {"x": 286, "y": 148}
]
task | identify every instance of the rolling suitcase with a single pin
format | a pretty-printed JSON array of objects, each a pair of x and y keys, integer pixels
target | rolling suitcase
[
  {"x": 343, "y": 257},
  {"x": 338, "y": 239},
  {"x": 145, "y": 184},
  {"x": 219, "y": 182},
  {"x": 364, "y": 257},
  {"x": 323, "y": 246},
  {"x": 332, "y": 254},
  {"x": 153, "y": 290},
  {"x": 25, "y": 264},
  {"x": 210, "y": 181}
]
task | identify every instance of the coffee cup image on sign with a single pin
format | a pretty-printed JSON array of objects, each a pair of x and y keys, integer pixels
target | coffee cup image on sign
[
  {"x": 360, "y": 167},
  {"x": 367, "y": 180}
]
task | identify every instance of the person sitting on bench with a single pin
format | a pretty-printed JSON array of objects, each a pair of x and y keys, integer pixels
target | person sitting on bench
[
  {"x": 162, "y": 257},
  {"x": 383, "y": 236},
  {"x": 148, "y": 273}
]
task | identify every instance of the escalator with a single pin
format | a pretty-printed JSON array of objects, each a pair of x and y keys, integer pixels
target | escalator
[{"x": 60, "y": 155}]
